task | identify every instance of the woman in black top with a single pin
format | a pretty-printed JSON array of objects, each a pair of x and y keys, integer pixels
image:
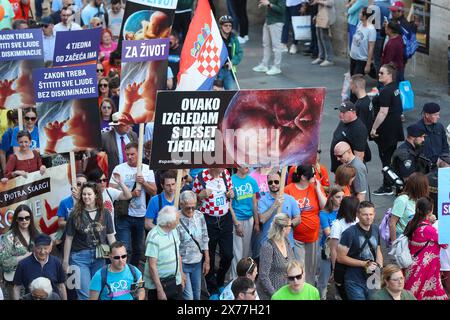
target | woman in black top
[
  {"x": 88, "y": 231},
  {"x": 387, "y": 129}
]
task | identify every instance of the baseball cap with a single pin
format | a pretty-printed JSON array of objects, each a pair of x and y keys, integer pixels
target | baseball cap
[
  {"x": 42, "y": 240},
  {"x": 398, "y": 6},
  {"x": 346, "y": 106},
  {"x": 415, "y": 131},
  {"x": 431, "y": 107}
]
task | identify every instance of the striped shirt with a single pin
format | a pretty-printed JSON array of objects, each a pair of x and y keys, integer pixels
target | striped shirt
[
  {"x": 196, "y": 225},
  {"x": 160, "y": 245}
]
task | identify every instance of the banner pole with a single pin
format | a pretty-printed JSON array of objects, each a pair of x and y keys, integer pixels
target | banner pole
[
  {"x": 178, "y": 188},
  {"x": 234, "y": 75},
  {"x": 282, "y": 183},
  {"x": 20, "y": 118},
  {"x": 140, "y": 152},
  {"x": 73, "y": 171}
]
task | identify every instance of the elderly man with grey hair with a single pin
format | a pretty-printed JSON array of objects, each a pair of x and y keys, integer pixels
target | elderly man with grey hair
[
  {"x": 194, "y": 239},
  {"x": 41, "y": 289},
  {"x": 163, "y": 275}
]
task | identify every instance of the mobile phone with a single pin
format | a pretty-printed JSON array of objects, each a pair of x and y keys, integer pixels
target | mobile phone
[{"x": 136, "y": 285}]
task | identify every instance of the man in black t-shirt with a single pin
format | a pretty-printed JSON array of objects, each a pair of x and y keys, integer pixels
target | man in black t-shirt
[
  {"x": 360, "y": 251},
  {"x": 364, "y": 108},
  {"x": 387, "y": 128},
  {"x": 351, "y": 130}
]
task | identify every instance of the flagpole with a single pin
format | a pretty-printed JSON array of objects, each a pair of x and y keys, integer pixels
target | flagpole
[{"x": 234, "y": 74}]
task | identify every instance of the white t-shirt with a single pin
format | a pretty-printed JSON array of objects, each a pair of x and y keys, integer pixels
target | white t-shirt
[
  {"x": 361, "y": 39},
  {"x": 109, "y": 196},
  {"x": 339, "y": 226},
  {"x": 71, "y": 27},
  {"x": 137, "y": 207},
  {"x": 115, "y": 22}
]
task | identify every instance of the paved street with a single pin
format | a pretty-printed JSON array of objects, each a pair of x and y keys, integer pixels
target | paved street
[{"x": 298, "y": 72}]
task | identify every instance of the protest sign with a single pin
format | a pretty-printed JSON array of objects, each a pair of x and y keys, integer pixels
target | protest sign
[
  {"x": 16, "y": 83},
  {"x": 65, "y": 126},
  {"x": 21, "y": 45},
  {"x": 443, "y": 208},
  {"x": 261, "y": 128},
  {"x": 75, "y": 47},
  {"x": 65, "y": 83},
  {"x": 41, "y": 192},
  {"x": 144, "y": 45}
]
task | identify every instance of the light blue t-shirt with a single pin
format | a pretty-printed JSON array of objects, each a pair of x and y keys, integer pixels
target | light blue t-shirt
[
  {"x": 153, "y": 206},
  {"x": 90, "y": 12},
  {"x": 119, "y": 282},
  {"x": 289, "y": 207},
  {"x": 34, "y": 138},
  {"x": 244, "y": 190},
  {"x": 65, "y": 206},
  {"x": 326, "y": 220}
]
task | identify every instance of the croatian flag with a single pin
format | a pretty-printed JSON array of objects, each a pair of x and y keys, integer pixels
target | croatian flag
[{"x": 204, "y": 51}]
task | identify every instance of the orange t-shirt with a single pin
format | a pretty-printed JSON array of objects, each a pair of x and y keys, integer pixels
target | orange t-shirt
[
  {"x": 347, "y": 192},
  {"x": 308, "y": 202}
]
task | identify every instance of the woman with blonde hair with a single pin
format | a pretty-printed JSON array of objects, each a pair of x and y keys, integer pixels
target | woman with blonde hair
[
  {"x": 392, "y": 285},
  {"x": 276, "y": 253}
]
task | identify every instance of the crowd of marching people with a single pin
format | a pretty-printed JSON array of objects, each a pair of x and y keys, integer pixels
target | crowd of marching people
[{"x": 237, "y": 233}]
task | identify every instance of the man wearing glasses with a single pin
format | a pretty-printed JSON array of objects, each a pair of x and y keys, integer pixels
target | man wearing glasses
[
  {"x": 268, "y": 206},
  {"x": 297, "y": 288},
  {"x": 343, "y": 152},
  {"x": 66, "y": 23},
  {"x": 118, "y": 280},
  {"x": 48, "y": 38},
  {"x": 243, "y": 289}
]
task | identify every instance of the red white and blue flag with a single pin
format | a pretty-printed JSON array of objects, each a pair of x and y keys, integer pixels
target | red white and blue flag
[{"x": 204, "y": 51}]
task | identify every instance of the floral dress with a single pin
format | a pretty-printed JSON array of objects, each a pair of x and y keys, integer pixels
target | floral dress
[
  {"x": 423, "y": 276},
  {"x": 10, "y": 249}
]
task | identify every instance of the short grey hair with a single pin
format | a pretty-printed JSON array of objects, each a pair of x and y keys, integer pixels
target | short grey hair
[
  {"x": 187, "y": 195},
  {"x": 43, "y": 284},
  {"x": 167, "y": 215}
]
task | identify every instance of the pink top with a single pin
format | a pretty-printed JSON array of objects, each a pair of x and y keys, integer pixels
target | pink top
[{"x": 107, "y": 51}]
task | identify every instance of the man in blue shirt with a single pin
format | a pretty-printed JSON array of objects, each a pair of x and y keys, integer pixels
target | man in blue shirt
[
  {"x": 119, "y": 280},
  {"x": 244, "y": 211},
  {"x": 159, "y": 201},
  {"x": 40, "y": 264},
  {"x": 268, "y": 206}
]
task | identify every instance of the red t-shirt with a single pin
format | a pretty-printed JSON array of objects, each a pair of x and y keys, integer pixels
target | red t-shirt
[
  {"x": 308, "y": 202},
  {"x": 21, "y": 11},
  {"x": 393, "y": 52}
]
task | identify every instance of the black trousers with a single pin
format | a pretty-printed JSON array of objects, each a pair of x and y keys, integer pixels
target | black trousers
[
  {"x": 240, "y": 8},
  {"x": 385, "y": 152},
  {"x": 220, "y": 232}
]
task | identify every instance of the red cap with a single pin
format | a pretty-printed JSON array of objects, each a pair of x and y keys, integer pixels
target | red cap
[{"x": 398, "y": 6}]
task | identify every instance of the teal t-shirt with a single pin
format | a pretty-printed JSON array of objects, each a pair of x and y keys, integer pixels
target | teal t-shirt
[
  {"x": 308, "y": 293},
  {"x": 244, "y": 190},
  {"x": 119, "y": 282},
  {"x": 404, "y": 208}
]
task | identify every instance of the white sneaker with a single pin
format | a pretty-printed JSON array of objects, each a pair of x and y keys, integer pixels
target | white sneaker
[
  {"x": 284, "y": 48},
  {"x": 317, "y": 61},
  {"x": 293, "y": 49},
  {"x": 260, "y": 68},
  {"x": 241, "y": 40},
  {"x": 246, "y": 38},
  {"x": 326, "y": 63},
  {"x": 273, "y": 71}
]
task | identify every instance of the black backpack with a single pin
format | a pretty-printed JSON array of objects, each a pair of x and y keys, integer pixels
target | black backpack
[{"x": 104, "y": 275}]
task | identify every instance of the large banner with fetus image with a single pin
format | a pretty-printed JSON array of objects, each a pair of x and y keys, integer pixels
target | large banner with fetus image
[
  {"x": 71, "y": 125},
  {"x": 260, "y": 128},
  {"x": 42, "y": 193},
  {"x": 144, "y": 45}
]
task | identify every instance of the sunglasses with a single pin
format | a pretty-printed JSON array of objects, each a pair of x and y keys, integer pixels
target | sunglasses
[
  {"x": 30, "y": 118},
  {"x": 342, "y": 154},
  {"x": 251, "y": 265},
  {"x": 123, "y": 257},
  {"x": 102, "y": 180},
  {"x": 271, "y": 182},
  {"x": 103, "y": 85},
  {"x": 297, "y": 277},
  {"x": 27, "y": 218},
  {"x": 100, "y": 70}
]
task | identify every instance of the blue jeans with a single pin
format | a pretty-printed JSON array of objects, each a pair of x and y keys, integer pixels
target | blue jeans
[
  {"x": 356, "y": 290},
  {"x": 88, "y": 264},
  {"x": 193, "y": 286},
  {"x": 290, "y": 12},
  {"x": 351, "y": 33},
  {"x": 130, "y": 230},
  {"x": 228, "y": 80},
  {"x": 232, "y": 13}
]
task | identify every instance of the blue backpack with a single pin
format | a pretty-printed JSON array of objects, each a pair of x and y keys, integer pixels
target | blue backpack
[{"x": 410, "y": 42}]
